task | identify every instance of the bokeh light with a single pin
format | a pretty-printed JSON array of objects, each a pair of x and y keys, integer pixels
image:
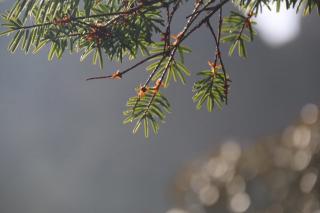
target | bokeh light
[
  {"x": 277, "y": 29},
  {"x": 240, "y": 202},
  {"x": 309, "y": 114},
  {"x": 176, "y": 210},
  {"x": 308, "y": 181},
  {"x": 237, "y": 185},
  {"x": 301, "y": 137},
  {"x": 277, "y": 174},
  {"x": 209, "y": 195}
]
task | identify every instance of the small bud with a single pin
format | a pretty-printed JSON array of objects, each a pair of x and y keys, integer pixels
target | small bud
[
  {"x": 177, "y": 38},
  {"x": 62, "y": 21},
  {"x": 116, "y": 75},
  {"x": 157, "y": 86},
  {"x": 142, "y": 91},
  {"x": 214, "y": 67}
]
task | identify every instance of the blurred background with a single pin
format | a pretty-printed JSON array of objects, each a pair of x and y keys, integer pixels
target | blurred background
[{"x": 63, "y": 147}]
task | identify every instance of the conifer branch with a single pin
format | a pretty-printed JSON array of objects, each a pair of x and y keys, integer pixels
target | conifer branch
[{"x": 119, "y": 30}]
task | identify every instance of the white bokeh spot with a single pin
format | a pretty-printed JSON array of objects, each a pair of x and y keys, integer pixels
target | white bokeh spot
[{"x": 278, "y": 28}]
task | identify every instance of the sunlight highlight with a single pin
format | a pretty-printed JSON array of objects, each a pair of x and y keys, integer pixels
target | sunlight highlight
[{"x": 277, "y": 29}]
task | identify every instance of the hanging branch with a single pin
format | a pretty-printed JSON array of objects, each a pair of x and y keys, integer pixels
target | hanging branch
[{"x": 128, "y": 29}]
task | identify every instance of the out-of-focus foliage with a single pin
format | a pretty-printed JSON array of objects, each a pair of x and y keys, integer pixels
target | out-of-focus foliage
[
  {"x": 129, "y": 29},
  {"x": 277, "y": 174}
]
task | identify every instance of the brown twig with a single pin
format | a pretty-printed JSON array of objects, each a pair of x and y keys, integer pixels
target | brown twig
[
  {"x": 218, "y": 56},
  {"x": 128, "y": 69}
]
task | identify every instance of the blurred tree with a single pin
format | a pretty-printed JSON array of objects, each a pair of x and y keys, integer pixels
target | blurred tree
[{"x": 122, "y": 29}]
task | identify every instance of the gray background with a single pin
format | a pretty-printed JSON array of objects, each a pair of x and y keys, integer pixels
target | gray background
[{"x": 63, "y": 147}]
